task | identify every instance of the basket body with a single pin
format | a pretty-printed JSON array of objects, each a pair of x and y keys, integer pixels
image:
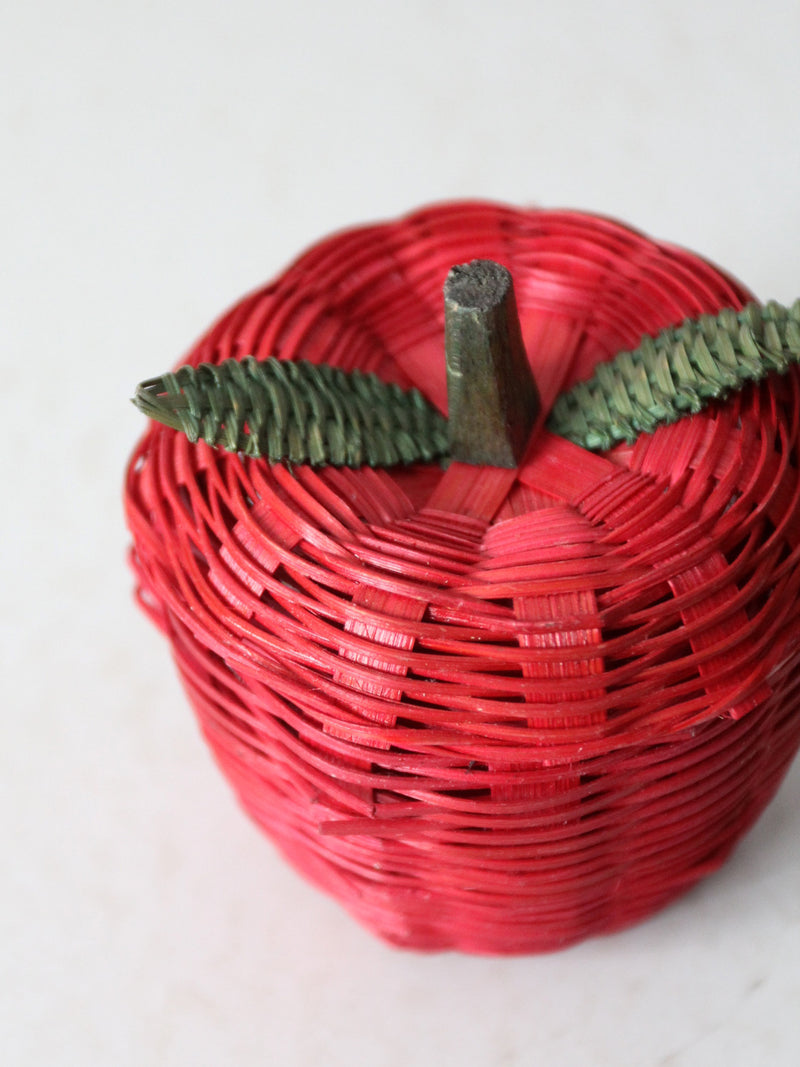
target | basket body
[{"x": 488, "y": 711}]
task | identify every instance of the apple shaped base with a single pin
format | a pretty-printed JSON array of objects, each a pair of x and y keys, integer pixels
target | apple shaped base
[{"x": 491, "y": 710}]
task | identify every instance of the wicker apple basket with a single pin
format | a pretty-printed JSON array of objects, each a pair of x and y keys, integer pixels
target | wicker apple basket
[{"x": 497, "y": 710}]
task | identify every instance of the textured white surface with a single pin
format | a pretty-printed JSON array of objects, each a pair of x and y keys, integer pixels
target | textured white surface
[{"x": 158, "y": 160}]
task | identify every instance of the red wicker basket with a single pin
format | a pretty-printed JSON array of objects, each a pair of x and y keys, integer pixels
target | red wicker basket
[{"x": 490, "y": 710}]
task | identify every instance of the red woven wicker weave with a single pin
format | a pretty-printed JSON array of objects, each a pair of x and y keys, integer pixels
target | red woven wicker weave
[{"x": 490, "y": 710}]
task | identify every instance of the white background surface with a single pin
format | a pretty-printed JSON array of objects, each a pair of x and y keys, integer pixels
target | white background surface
[{"x": 157, "y": 161}]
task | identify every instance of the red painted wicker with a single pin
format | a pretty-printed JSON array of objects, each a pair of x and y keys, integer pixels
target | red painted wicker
[{"x": 489, "y": 710}]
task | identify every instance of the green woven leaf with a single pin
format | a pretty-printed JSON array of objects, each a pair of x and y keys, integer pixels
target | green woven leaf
[
  {"x": 677, "y": 373},
  {"x": 296, "y": 411}
]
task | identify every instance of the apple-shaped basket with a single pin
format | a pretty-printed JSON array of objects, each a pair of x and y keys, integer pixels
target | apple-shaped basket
[{"x": 497, "y": 708}]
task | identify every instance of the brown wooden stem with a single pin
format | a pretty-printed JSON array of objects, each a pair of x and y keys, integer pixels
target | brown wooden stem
[{"x": 492, "y": 396}]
